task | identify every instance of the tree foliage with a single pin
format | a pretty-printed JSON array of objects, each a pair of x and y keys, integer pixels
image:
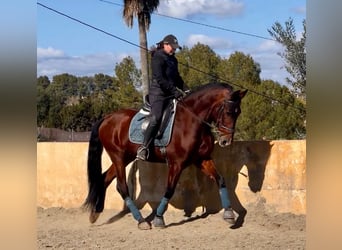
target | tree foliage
[
  {"x": 240, "y": 69},
  {"x": 43, "y": 100},
  {"x": 198, "y": 65},
  {"x": 142, "y": 10},
  {"x": 269, "y": 110},
  {"x": 128, "y": 81},
  {"x": 294, "y": 54},
  {"x": 276, "y": 114},
  {"x": 70, "y": 102}
]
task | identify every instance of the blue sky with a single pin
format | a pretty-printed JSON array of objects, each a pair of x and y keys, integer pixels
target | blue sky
[{"x": 66, "y": 46}]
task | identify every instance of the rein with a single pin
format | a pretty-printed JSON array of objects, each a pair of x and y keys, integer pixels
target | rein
[
  {"x": 200, "y": 120},
  {"x": 214, "y": 128}
]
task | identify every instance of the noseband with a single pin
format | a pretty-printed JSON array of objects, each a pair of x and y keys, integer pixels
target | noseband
[{"x": 231, "y": 109}]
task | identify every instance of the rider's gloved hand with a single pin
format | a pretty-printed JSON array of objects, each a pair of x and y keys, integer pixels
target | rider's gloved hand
[{"x": 178, "y": 95}]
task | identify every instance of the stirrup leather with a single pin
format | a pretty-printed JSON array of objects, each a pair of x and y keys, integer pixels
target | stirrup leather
[{"x": 142, "y": 153}]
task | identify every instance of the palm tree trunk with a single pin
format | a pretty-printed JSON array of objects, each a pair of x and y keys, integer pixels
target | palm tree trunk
[{"x": 143, "y": 55}]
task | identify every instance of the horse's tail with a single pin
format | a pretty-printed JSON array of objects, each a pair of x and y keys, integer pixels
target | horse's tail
[{"x": 96, "y": 190}]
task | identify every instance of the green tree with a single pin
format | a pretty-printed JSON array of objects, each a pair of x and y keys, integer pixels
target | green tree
[
  {"x": 66, "y": 84},
  {"x": 240, "y": 69},
  {"x": 54, "y": 119},
  {"x": 142, "y": 10},
  {"x": 86, "y": 86},
  {"x": 127, "y": 72},
  {"x": 103, "y": 82},
  {"x": 294, "y": 54},
  {"x": 43, "y": 100},
  {"x": 198, "y": 65},
  {"x": 63, "y": 91},
  {"x": 77, "y": 117},
  {"x": 276, "y": 117},
  {"x": 127, "y": 78},
  {"x": 43, "y": 82},
  {"x": 70, "y": 102},
  {"x": 102, "y": 101}
]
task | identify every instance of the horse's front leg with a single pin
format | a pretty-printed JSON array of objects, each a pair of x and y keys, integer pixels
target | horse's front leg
[
  {"x": 232, "y": 182},
  {"x": 228, "y": 214},
  {"x": 172, "y": 180},
  {"x": 208, "y": 167}
]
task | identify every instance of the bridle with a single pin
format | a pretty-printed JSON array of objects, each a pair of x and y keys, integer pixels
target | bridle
[
  {"x": 218, "y": 126},
  {"x": 220, "y": 115}
]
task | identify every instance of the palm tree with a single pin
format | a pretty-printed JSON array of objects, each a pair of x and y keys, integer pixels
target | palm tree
[{"x": 142, "y": 9}]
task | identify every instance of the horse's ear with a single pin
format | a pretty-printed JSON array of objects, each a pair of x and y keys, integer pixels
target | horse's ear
[
  {"x": 243, "y": 93},
  {"x": 239, "y": 94}
]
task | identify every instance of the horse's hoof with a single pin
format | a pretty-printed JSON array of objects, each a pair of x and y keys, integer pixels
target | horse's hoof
[
  {"x": 93, "y": 216},
  {"x": 230, "y": 221},
  {"x": 144, "y": 225},
  {"x": 229, "y": 216},
  {"x": 240, "y": 220},
  {"x": 158, "y": 221}
]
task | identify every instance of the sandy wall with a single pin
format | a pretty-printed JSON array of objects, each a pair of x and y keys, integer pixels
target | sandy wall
[{"x": 275, "y": 173}]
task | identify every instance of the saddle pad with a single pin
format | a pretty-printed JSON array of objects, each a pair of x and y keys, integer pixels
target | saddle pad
[{"x": 136, "y": 134}]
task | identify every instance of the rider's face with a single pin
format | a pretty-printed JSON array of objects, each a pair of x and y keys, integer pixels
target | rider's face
[{"x": 168, "y": 49}]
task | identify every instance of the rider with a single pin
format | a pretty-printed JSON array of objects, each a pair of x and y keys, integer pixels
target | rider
[{"x": 165, "y": 81}]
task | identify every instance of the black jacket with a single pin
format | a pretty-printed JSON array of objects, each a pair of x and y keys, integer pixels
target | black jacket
[{"x": 165, "y": 75}]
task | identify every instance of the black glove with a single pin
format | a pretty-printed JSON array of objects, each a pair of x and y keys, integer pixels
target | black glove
[{"x": 178, "y": 95}]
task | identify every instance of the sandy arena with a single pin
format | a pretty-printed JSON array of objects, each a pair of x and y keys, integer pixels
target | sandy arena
[{"x": 60, "y": 228}]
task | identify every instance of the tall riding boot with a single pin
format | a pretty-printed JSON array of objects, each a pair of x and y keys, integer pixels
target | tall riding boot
[{"x": 150, "y": 132}]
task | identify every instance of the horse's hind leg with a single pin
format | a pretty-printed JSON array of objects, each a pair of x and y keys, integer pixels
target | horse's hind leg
[
  {"x": 108, "y": 177},
  {"x": 122, "y": 188}
]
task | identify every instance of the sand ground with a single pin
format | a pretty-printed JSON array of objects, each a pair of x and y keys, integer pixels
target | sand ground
[{"x": 60, "y": 228}]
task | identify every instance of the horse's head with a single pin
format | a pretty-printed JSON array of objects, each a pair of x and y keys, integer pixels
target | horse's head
[
  {"x": 216, "y": 103},
  {"x": 227, "y": 115}
]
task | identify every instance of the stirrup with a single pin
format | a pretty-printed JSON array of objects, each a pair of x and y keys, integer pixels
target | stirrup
[
  {"x": 228, "y": 215},
  {"x": 142, "y": 153}
]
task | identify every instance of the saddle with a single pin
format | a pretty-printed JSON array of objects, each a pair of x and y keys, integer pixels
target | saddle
[
  {"x": 141, "y": 120},
  {"x": 167, "y": 113}
]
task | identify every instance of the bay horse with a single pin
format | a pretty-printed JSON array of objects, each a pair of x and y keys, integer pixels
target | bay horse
[{"x": 207, "y": 114}]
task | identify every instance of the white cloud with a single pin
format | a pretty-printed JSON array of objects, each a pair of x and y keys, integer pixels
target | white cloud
[
  {"x": 212, "y": 42},
  {"x": 186, "y": 8},
  {"x": 265, "y": 54},
  {"x": 49, "y": 53},
  {"x": 269, "y": 46},
  {"x": 52, "y": 62},
  {"x": 272, "y": 65},
  {"x": 299, "y": 10}
]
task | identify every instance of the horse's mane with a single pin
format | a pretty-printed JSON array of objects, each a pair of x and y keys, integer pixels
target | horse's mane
[{"x": 211, "y": 85}]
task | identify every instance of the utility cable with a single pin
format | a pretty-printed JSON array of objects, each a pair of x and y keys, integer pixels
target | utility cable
[
  {"x": 191, "y": 67},
  {"x": 198, "y": 23}
]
